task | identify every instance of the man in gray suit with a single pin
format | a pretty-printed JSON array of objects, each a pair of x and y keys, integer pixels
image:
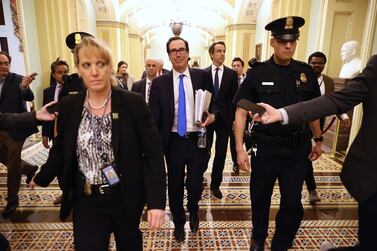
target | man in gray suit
[{"x": 359, "y": 173}]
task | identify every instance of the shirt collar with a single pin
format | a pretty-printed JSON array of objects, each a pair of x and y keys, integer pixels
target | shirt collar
[
  {"x": 176, "y": 74},
  {"x": 221, "y": 67}
]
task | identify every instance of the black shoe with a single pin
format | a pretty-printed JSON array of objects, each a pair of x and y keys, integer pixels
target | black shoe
[
  {"x": 179, "y": 234},
  {"x": 257, "y": 246},
  {"x": 217, "y": 193},
  {"x": 9, "y": 209},
  {"x": 30, "y": 176},
  {"x": 236, "y": 169},
  {"x": 194, "y": 222}
]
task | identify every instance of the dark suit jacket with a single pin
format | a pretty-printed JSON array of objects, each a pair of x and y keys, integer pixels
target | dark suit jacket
[
  {"x": 137, "y": 151},
  {"x": 140, "y": 86},
  {"x": 17, "y": 120},
  {"x": 359, "y": 173},
  {"x": 48, "y": 126},
  {"x": 161, "y": 100},
  {"x": 224, "y": 102},
  {"x": 12, "y": 100}
]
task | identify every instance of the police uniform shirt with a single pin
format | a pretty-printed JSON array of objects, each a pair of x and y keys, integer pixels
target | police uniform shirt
[{"x": 279, "y": 86}]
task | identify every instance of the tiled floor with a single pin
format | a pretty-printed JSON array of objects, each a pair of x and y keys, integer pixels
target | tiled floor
[{"x": 224, "y": 224}]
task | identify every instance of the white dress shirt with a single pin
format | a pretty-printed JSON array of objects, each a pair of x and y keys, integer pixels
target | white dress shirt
[
  {"x": 220, "y": 74},
  {"x": 148, "y": 84},
  {"x": 190, "y": 102}
]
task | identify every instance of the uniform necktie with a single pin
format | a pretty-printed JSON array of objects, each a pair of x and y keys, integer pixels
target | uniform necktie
[
  {"x": 216, "y": 84},
  {"x": 182, "y": 127}
]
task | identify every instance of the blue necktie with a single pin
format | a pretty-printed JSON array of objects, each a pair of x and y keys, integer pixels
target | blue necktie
[
  {"x": 216, "y": 85},
  {"x": 182, "y": 127}
]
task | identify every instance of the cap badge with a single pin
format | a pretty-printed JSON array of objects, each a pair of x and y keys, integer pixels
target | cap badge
[
  {"x": 77, "y": 38},
  {"x": 303, "y": 78},
  {"x": 288, "y": 23}
]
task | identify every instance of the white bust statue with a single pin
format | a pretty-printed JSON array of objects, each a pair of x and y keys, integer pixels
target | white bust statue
[{"x": 352, "y": 65}]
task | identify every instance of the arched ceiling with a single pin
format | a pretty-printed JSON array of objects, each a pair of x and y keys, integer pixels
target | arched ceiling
[{"x": 208, "y": 18}]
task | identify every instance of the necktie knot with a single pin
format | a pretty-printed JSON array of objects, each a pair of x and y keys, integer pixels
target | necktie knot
[{"x": 181, "y": 76}]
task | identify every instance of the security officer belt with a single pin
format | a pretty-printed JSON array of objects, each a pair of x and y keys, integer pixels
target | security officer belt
[{"x": 294, "y": 140}]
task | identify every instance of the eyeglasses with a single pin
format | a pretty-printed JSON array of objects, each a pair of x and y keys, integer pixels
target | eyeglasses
[
  {"x": 4, "y": 63},
  {"x": 176, "y": 51}
]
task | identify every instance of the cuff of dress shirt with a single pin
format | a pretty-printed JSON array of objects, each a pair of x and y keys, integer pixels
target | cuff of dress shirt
[{"x": 284, "y": 116}]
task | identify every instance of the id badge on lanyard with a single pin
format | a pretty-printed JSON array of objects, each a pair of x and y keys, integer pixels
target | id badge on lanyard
[{"x": 110, "y": 175}]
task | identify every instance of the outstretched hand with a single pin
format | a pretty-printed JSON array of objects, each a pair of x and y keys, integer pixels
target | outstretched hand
[
  {"x": 44, "y": 115},
  {"x": 271, "y": 115}
]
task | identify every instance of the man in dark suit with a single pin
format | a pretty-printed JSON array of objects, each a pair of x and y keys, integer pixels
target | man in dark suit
[
  {"x": 225, "y": 85},
  {"x": 14, "y": 92},
  {"x": 237, "y": 66},
  {"x": 172, "y": 106},
  {"x": 144, "y": 85},
  {"x": 59, "y": 68},
  {"x": 359, "y": 173}
]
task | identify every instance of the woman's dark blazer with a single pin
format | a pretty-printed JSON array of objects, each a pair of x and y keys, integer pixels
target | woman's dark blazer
[{"x": 137, "y": 151}]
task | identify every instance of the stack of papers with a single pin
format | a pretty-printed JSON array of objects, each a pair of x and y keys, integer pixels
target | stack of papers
[{"x": 202, "y": 101}]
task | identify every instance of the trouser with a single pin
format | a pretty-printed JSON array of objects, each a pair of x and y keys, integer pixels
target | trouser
[
  {"x": 184, "y": 152},
  {"x": 367, "y": 226},
  {"x": 221, "y": 145},
  {"x": 309, "y": 178},
  {"x": 289, "y": 167},
  {"x": 15, "y": 166},
  {"x": 96, "y": 216}
]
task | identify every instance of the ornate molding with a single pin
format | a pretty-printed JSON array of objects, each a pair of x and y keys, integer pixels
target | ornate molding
[
  {"x": 17, "y": 23},
  {"x": 114, "y": 24},
  {"x": 133, "y": 35},
  {"x": 233, "y": 27}
]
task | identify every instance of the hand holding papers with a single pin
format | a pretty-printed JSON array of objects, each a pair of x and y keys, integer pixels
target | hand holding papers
[{"x": 202, "y": 101}]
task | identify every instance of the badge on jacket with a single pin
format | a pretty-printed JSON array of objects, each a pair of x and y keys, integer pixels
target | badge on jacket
[{"x": 303, "y": 78}]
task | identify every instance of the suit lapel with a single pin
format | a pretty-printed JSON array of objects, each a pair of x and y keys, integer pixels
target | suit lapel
[
  {"x": 170, "y": 92},
  {"x": 115, "y": 117},
  {"x": 7, "y": 82},
  {"x": 327, "y": 82},
  {"x": 195, "y": 81},
  {"x": 143, "y": 87},
  {"x": 72, "y": 133}
]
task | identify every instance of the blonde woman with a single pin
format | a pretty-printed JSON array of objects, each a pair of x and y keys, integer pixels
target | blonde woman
[{"x": 111, "y": 156}]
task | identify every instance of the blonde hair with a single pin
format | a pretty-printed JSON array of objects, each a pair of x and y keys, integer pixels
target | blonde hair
[{"x": 103, "y": 50}]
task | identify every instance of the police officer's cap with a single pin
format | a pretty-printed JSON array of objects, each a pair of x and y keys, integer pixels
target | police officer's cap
[
  {"x": 286, "y": 28},
  {"x": 75, "y": 38}
]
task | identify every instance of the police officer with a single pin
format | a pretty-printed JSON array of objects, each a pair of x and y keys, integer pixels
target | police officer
[
  {"x": 72, "y": 83},
  {"x": 281, "y": 151}
]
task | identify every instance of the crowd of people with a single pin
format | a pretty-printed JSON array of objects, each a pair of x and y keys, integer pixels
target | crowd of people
[{"x": 110, "y": 135}]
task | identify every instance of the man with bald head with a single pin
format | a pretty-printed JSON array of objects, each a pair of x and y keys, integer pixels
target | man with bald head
[{"x": 144, "y": 85}]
